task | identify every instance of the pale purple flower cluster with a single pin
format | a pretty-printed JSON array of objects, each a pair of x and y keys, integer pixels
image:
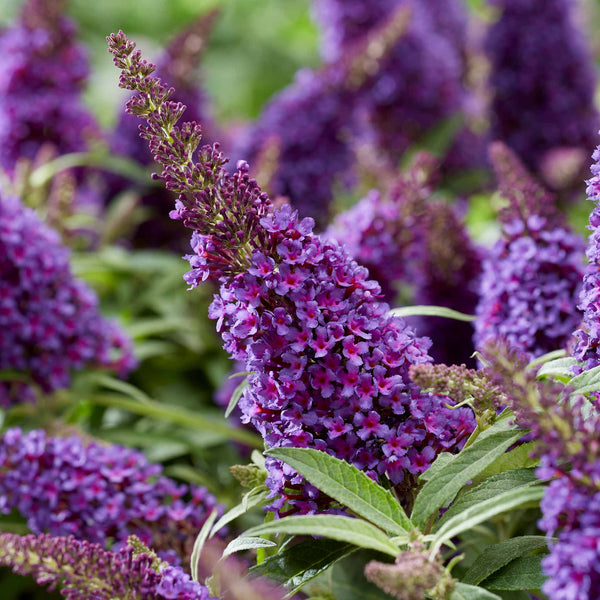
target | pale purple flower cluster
[
  {"x": 532, "y": 276},
  {"x": 84, "y": 570},
  {"x": 42, "y": 74},
  {"x": 49, "y": 320},
  {"x": 588, "y": 337},
  {"x": 420, "y": 83},
  {"x": 571, "y": 513},
  {"x": 536, "y": 109},
  {"x": 306, "y": 122},
  {"x": 330, "y": 365},
  {"x": 568, "y": 442},
  {"x": 98, "y": 492}
]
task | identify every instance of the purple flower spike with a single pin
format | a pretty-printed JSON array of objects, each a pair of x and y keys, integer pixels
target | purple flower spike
[
  {"x": 98, "y": 492},
  {"x": 42, "y": 74},
  {"x": 586, "y": 347},
  {"x": 536, "y": 110},
  {"x": 83, "y": 570},
  {"x": 49, "y": 320},
  {"x": 252, "y": 249},
  {"x": 532, "y": 278}
]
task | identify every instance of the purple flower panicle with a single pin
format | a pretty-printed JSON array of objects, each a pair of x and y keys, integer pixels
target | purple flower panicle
[
  {"x": 98, "y": 492},
  {"x": 84, "y": 570},
  {"x": 587, "y": 338},
  {"x": 49, "y": 320},
  {"x": 532, "y": 277},
  {"x": 42, "y": 74},
  {"x": 536, "y": 109},
  {"x": 567, "y": 435},
  {"x": 310, "y": 122},
  {"x": 329, "y": 364}
]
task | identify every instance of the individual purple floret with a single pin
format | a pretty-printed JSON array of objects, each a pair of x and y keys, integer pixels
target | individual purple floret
[
  {"x": 588, "y": 337},
  {"x": 98, "y": 492},
  {"x": 42, "y": 74},
  {"x": 84, "y": 570},
  {"x": 567, "y": 433},
  {"x": 536, "y": 109},
  {"x": 533, "y": 274},
  {"x": 330, "y": 365},
  {"x": 49, "y": 320}
]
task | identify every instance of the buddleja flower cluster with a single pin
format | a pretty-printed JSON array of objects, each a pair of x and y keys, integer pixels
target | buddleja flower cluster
[
  {"x": 536, "y": 109},
  {"x": 532, "y": 278},
  {"x": 309, "y": 123},
  {"x": 329, "y": 365},
  {"x": 83, "y": 570},
  {"x": 49, "y": 320},
  {"x": 42, "y": 74},
  {"x": 586, "y": 347},
  {"x": 98, "y": 492},
  {"x": 406, "y": 238},
  {"x": 420, "y": 83},
  {"x": 568, "y": 442}
]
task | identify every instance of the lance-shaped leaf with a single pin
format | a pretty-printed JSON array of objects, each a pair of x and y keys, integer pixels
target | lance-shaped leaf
[
  {"x": 482, "y": 511},
  {"x": 247, "y": 543},
  {"x": 524, "y": 573},
  {"x": 431, "y": 311},
  {"x": 348, "y": 485},
  {"x": 493, "y": 558},
  {"x": 462, "y": 591},
  {"x": 296, "y": 565},
  {"x": 471, "y": 461},
  {"x": 343, "y": 529},
  {"x": 490, "y": 488}
]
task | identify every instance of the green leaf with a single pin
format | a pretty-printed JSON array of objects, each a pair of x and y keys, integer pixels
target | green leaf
[
  {"x": 561, "y": 368},
  {"x": 462, "y": 591},
  {"x": 482, "y": 511},
  {"x": 445, "y": 484},
  {"x": 431, "y": 311},
  {"x": 490, "y": 488},
  {"x": 235, "y": 397},
  {"x": 348, "y": 485},
  {"x": 122, "y": 387},
  {"x": 440, "y": 461},
  {"x": 550, "y": 357},
  {"x": 179, "y": 416},
  {"x": 251, "y": 499},
  {"x": 499, "y": 555},
  {"x": 246, "y": 543},
  {"x": 343, "y": 529},
  {"x": 199, "y": 543},
  {"x": 588, "y": 381},
  {"x": 295, "y": 566},
  {"x": 524, "y": 573},
  {"x": 517, "y": 458}
]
